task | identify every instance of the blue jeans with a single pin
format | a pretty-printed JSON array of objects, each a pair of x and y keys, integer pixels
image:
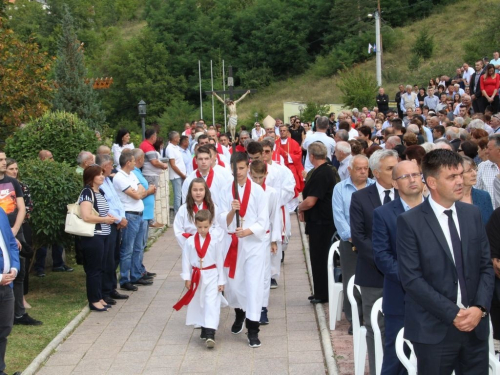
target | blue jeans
[
  {"x": 41, "y": 254},
  {"x": 145, "y": 225},
  {"x": 177, "y": 188},
  {"x": 131, "y": 249}
]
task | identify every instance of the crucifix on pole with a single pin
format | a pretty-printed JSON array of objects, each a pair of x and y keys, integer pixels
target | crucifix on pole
[{"x": 231, "y": 103}]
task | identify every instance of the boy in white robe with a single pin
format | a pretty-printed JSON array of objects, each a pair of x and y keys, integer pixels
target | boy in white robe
[
  {"x": 246, "y": 257},
  {"x": 202, "y": 270},
  {"x": 258, "y": 173}
]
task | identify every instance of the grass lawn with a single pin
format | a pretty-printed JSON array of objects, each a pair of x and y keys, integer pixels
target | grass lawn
[{"x": 56, "y": 300}]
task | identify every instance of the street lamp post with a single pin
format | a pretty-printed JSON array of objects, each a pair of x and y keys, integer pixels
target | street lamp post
[
  {"x": 378, "y": 45},
  {"x": 256, "y": 115},
  {"x": 142, "y": 113}
]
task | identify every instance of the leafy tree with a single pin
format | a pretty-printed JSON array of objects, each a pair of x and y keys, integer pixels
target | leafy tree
[
  {"x": 176, "y": 114},
  {"x": 424, "y": 45},
  {"x": 25, "y": 90},
  {"x": 73, "y": 94},
  {"x": 64, "y": 134},
  {"x": 53, "y": 185},
  {"x": 312, "y": 109},
  {"x": 358, "y": 88}
]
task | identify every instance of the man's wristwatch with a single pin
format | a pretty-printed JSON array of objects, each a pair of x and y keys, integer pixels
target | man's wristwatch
[{"x": 483, "y": 310}]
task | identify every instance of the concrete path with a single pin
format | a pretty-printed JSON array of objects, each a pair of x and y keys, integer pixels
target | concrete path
[{"x": 144, "y": 335}]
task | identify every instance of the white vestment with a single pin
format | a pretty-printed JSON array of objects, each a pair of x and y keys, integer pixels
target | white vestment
[
  {"x": 215, "y": 188},
  {"x": 204, "y": 308},
  {"x": 245, "y": 290},
  {"x": 182, "y": 224}
]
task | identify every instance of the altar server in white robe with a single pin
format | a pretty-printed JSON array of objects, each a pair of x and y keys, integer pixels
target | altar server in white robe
[
  {"x": 258, "y": 173},
  {"x": 215, "y": 181},
  {"x": 202, "y": 271},
  {"x": 245, "y": 260},
  {"x": 198, "y": 198}
]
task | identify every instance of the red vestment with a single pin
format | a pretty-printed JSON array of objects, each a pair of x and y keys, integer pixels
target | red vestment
[{"x": 292, "y": 148}]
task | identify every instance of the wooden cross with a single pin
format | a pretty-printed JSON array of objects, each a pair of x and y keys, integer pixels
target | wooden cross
[{"x": 230, "y": 91}]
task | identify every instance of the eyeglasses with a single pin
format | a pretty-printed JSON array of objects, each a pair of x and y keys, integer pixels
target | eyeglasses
[
  {"x": 409, "y": 175},
  {"x": 297, "y": 122}
]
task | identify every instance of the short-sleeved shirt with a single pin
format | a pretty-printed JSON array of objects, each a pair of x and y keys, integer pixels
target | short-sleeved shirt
[
  {"x": 123, "y": 181},
  {"x": 10, "y": 190},
  {"x": 173, "y": 152},
  {"x": 149, "y": 201},
  {"x": 320, "y": 185},
  {"x": 100, "y": 205},
  {"x": 150, "y": 153},
  {"x": 328, "y": 142}
]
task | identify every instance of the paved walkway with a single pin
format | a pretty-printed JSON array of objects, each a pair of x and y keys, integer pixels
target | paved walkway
[{"x": 144, "y": 335}]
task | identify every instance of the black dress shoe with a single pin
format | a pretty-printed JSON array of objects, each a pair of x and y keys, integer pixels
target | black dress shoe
[
  {"x": 115, "y": 295},
  {"x": 318, "y": 300},
  {"x": 142, "y": 282},
  {"x": 128, "y": 286},
  {"x": 109, "y": 301},
  {"x": 311, "y": 297},
  {"x": 146, "y": 277},
  {"x": 349, "y": 331},
  {"x": 152, "y": 274},
  {"x": 93, "y": 308}
]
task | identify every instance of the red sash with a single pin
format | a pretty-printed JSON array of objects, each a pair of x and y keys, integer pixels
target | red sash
[
  {"x": 186, "y": 235},
  {"x": 196, "y": 209},
  {"x": 276, "y": 157},
  {"x": 220, "y": 162},
  {"x": 195, "y": 276},
  {"x": 232, "y": 254},
  {"x": 210, "y": 177},
  {"x": 219, "y": 149}
]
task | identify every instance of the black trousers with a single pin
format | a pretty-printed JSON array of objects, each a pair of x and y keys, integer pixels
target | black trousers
[
  {"x": 94, "y": 254},
  {"x": 115, "y": 239},
  {"x": 494, "y": 103},
  {"x": 6, "y": 320},
  {"x": 459, "y": 351},
  {"x": 18, "y": 289},
  {"x": 109, "y": 265},
  {"x": 320, "y": 240}
]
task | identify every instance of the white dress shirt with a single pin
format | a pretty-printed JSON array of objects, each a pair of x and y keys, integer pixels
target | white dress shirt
[
  {"x": 381, "y": 192},
  {"x": 443, "y": 222},
  {"x": 5, "y": 254}
]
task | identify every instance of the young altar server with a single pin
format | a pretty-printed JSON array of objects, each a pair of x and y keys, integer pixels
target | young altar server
[
  {"x": 202, "y": 270},
  {"x": 198, "y": 198},
  {"x": 258, "y": 173},
  {"x": 245, "y": 261}
]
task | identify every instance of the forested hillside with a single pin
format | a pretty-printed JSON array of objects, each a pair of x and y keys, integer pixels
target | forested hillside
[{"x": 151, "y": 48}]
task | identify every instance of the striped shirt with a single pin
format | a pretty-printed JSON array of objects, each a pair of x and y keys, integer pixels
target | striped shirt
[{"x": 100, "y": 205}]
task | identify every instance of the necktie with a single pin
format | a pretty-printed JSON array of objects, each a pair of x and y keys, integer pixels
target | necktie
[
  {"x": 387, "y": 197},
  {"x": 457, "y": 252}
]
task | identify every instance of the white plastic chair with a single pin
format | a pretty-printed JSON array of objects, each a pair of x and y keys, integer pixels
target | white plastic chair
[
  {"x": 335, "y": 290},
  {"x": 494, "y": 363},
  {"x": 359, "y": 331},
  {"x": 377, "y": 336},
  {"x": 409, "y": 363}
]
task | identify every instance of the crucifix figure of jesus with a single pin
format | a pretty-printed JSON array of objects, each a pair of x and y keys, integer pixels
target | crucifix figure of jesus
[{"x": 231, "y": 103}]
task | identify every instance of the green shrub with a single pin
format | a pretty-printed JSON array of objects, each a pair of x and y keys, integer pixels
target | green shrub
[
  {"x": 64, "y": 134},
  {"x": 358, "y": 87},
  {"x": 53, "y": 185},
  {"x": 414, "y": 62},
  {"x": 312, "y": 109},
  {"x": 424, "y": 45}
]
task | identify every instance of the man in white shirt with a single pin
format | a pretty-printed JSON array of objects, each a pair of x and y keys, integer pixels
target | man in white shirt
[
  {"x": 496, "y": 62},
  {"x": 177, "y": 171},
  {"x": 130, "y": 191},
  {"x": 468, "y": 72},
  {"x": 319, "y": 136},
  {"x": 343, "y": 155},
  {"x": 186, "y": 153}
]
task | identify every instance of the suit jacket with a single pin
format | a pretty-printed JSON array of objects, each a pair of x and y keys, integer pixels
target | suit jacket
[
  {"x": 10, "y": 242},
  {"x": 482, "y": 200},
  {"x": 363, "y": 202},
  {"x": 429, "y": 276},
  {"x": 473, "y": 89},
  {"x": 455, "y": 143},
  {"x": 385, "y": 256}
]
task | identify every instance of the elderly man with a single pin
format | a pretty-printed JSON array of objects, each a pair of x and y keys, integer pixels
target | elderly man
[
  {"x": 466, "y": 103},
  {"x": 103, "y": 150},
  {"x": 343, "y": 156},
  {"x": 316, "y": 211},
  {"x": 382, "y": 101},
  {"x": 408, "y": 100},
  {"x": 177, "y": 172},
  {"x": 341, "y": 203},
  {"x": 408, "y": 181},
  {"x": 363, "y": 203},
  {"x": 453, "y": 136},
  {"x": 392, "y": 142},
  {"x": 488, "y": 169},
  {"x": 109, "y": 281},
  {"x": 45, "y": 155},
  {"x": 84, "y": 159}
]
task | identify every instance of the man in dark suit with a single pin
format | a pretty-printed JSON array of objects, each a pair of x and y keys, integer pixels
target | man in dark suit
[
  {"x": 475, "y": 87},
  {"x": 9, "y": 267},
  {"x": 445, "y": 268},
  {"x": 363, "y": 202},
  {"x": 407, "y": 179}
]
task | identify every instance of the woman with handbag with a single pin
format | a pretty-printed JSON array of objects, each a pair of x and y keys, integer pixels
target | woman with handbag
[{"x": 94, "y": 209}]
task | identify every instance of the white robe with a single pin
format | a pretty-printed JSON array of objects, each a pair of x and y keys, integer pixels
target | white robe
[
  {"x": 246, "y": 290},
  {"x": 274, "y": 235},
  {"x": 224, "y": 172},
  {"x": 204, "y": 308},
  {"x": 218, "y": 184},
  {"x": 182, "y": 223}
]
